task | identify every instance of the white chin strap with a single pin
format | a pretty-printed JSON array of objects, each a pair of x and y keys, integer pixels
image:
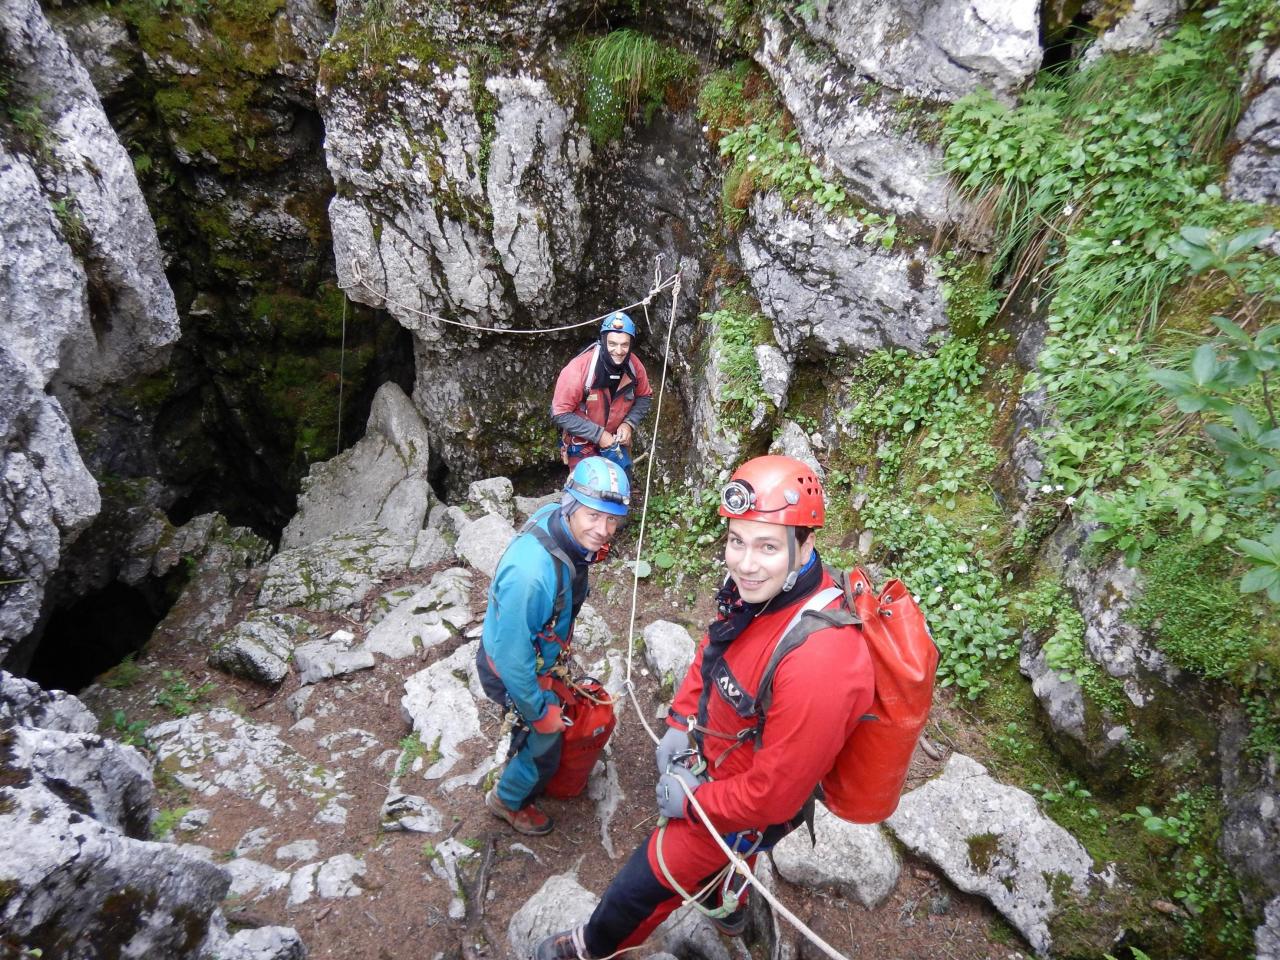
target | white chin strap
[{"x": 791, "y": 560}]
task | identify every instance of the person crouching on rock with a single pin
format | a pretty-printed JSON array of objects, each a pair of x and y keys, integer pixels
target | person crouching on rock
[
  {"x": 753, "y": 767},
  {"x": 601, "y": 396},
  {"x": 535, "y": 596}
]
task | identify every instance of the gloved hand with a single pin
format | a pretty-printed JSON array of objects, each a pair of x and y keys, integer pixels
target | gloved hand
[
  {"x": 670, "y": 797},
  {"x": 672, "y": 742},
  {"x": 552, "y": 721}
]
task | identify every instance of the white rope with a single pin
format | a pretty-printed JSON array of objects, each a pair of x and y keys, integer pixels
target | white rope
[
  {"x": 360, "y": 281},
  {"x": 745, "y": 871},
  {"x": 644, "y": 510}
]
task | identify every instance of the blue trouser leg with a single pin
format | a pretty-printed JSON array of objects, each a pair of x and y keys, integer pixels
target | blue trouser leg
[{"x": 536, "y": 758}]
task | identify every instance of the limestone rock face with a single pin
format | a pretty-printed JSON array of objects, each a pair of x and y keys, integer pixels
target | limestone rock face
[
  {"x": 1255, "y": 169},
  {"x": 85, "y": 302},
  {"x": 992, "y": 839},
  {"x": 828, "y": 292},
  {"x": 941, "y": 49},
  {"x": 115, "y": 231},
  {"x": 381, "y": 479},
  {"x": 856, "y": 126}
]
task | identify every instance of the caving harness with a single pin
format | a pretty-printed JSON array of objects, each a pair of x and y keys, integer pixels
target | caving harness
[{"x": 866, "y": 781}]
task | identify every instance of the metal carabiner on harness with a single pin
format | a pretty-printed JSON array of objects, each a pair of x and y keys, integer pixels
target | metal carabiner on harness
[{"x": 698, "y": 766}]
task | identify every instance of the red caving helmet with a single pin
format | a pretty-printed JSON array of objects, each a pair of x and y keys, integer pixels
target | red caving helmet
[{"x": 774, "y": 489}]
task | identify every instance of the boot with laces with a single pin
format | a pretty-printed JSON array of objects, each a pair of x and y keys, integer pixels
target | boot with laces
[
  {"x": 528, "y": 820},
  {"x": 565, "y": 945}
]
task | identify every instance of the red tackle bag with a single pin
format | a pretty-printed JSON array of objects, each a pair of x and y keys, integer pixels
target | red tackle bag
[
  {"x": 589, "y": 709},
  {"x": 867, "y": 779}
]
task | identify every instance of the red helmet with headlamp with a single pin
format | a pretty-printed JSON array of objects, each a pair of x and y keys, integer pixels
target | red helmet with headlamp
[{"x": 774, "y": 489}]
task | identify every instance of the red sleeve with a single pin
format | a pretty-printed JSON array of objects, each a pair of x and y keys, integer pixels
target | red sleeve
[
  {"x": 568, "y": 393},
  {"x": 685, "y": 704},
  {"x": 819, "y": 692}
]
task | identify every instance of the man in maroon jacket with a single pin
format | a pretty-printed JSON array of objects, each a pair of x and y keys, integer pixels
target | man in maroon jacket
[
  {"x": 762, "y": 761},
  {"x": 601, "y": 396}
]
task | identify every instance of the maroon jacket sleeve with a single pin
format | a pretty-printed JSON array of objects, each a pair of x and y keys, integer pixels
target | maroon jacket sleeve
[
  {"x": 567, "y": 399},
  {"x": 819, "y": 693},
  {"x": 685, "y": 703}
]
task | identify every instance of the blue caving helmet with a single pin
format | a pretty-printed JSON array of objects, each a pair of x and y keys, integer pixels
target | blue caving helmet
[
  {"x": 618, "y": 322},
  {"x": 601, "y": 485}
]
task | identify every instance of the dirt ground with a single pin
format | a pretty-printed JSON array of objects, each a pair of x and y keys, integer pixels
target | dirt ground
[{"x": 403, "y": 912}]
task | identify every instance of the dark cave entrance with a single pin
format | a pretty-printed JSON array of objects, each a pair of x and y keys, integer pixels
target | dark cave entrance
[{"x": 94, "y": 633}]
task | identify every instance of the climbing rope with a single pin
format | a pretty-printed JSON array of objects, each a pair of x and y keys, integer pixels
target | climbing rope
[
  {"x": 360, "y": 281},
  {"x": 735, "y": 863}
]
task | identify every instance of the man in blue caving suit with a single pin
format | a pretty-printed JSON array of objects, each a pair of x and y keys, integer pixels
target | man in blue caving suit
[{"x": 537, "y": 591}]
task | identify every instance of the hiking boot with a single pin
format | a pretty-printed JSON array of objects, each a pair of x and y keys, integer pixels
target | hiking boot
[
  {"x": 565, "y": 945},
  {"x": 733, "y": 925},
  {"x": 528, "y": 820}
]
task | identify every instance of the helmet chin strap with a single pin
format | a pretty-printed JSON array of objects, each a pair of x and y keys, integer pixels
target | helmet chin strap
[{"x": 791, "y": 561}]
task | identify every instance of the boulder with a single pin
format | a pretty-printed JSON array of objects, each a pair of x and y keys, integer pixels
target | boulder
[
  {"x": 259, "y": 648},
  {"x": 668, "y": 650},
  {"x": 402, "y": 811},
  {"x": 993, "y": 840},
  {"x": 263, "y": 943},
  {"x": 440, "y": 705},
  {"x": 330, "y": 879},
  {"x": 332, "y": 656},
  {"x": 559, "y": 904},
  {"x": 590, "y": 629},
  {"x": 103, "y": 779},
  {"x": 429, "y": 548},
  {"x": 688, "y": 933},
  {"x": 426, "y": 618},
  {"x": 77, "y": 887},
  {"x": 382, "y": 479},
  {"x": 251, "y": 880},
  {"x": 207, "y": 601},
  {"x": 827, "y": 291},
  {"x": 851, "y": 860},
  {"x": 335, "y": 572},
  {"x": 493, "y": 496},
  {"x": 78, "y": 878},
  {"x": 482, "y": 542},
  {"x": 25, "y": 703},
  {"x": 793, "y": 442}
]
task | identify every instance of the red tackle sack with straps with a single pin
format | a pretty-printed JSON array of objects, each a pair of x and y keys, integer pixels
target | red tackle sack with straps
[
  {"x": 867, "y": 779},
  {"x": 589, "y": 708}
]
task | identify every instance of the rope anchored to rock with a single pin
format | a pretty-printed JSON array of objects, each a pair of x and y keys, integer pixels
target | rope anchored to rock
[{"x": 359, "y": 280}]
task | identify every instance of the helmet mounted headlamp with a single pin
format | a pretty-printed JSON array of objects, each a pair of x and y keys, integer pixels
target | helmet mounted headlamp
[{"x": 738, "y": 497}]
